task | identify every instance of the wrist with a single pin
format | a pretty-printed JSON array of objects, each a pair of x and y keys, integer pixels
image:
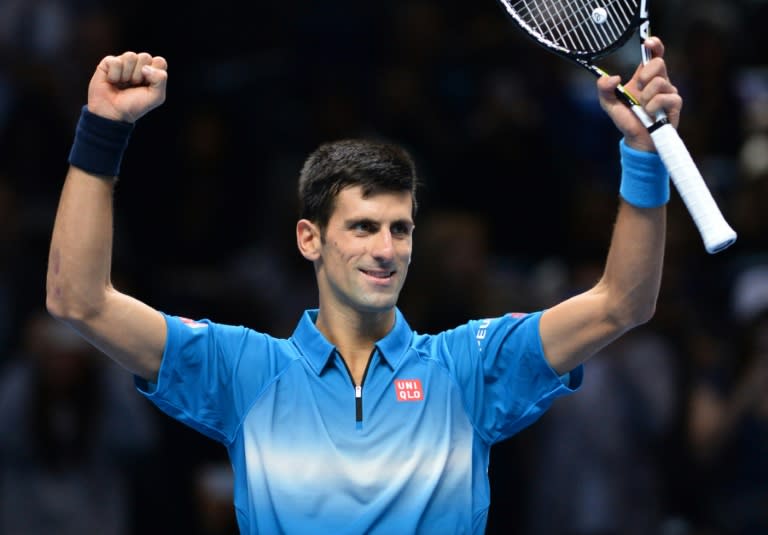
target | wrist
[
  {"x": 644, "y": 178},
  {"x": 642, "y": 143},
  {"x": 99, "y": 144}
]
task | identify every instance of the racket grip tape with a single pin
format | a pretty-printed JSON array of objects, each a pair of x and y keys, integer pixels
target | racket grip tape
[{"x": 715, "y": 231}]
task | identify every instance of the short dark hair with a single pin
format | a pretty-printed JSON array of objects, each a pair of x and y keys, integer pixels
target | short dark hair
[{"x": 375, "y": 166}]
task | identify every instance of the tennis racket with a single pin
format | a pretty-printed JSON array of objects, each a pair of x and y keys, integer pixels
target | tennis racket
[{"x": 586, "y": 30}]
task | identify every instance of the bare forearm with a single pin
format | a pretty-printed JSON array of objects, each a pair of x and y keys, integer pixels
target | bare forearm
[
  {"x": 632, "y": 275},
  {"x": 80, "y": 255},
  {"x": 579, "y": 327}
]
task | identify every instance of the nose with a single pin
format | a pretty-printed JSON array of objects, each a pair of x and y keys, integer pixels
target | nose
[{"x": 383, "y": 248}]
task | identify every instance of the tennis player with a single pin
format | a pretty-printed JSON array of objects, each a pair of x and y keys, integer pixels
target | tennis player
[{"x": 355, "y": 424}]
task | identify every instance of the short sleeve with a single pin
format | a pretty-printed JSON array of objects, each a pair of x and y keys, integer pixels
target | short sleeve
[
  {"x": 500, "y": 367},
  {"x": 201, "y": 382}
]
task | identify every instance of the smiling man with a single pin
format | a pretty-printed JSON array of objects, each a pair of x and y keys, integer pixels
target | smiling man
[{"x": 356, "y": 424}]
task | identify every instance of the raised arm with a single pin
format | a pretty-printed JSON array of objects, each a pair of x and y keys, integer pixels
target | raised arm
[
  {"x": 626, "y": 294},
  {"x": 79, "y": 289}
]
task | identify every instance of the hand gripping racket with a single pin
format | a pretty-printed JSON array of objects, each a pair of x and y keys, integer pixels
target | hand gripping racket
[{"x": 586, "y": 30}]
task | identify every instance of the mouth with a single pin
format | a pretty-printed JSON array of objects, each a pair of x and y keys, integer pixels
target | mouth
[{"x": 378, "y": 274}]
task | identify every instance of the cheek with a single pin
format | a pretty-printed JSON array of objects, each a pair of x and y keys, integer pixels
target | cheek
[
  {"x": 405, "y": 252},
  {"x": 346, "y": 252}
]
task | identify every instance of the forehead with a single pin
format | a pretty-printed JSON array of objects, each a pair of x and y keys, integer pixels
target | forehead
[{"x": 386, "y": 205}]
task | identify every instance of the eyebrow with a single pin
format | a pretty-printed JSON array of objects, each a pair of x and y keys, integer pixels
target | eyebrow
[{"x": 357, "y": 220}]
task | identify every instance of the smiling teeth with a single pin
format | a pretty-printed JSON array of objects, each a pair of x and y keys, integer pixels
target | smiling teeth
[{"x": 379, "y": 274}]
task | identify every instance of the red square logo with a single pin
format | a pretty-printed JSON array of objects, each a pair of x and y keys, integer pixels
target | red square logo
[{"x": 409, "y": 390}]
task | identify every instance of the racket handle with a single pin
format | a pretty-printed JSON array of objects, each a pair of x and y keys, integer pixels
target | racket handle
[{"x": 712, "y": 226}]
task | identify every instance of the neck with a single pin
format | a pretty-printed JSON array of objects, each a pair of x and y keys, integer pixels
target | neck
[
  {"x": 354, "y": 330},
  {"x": 354, "y": 334}
]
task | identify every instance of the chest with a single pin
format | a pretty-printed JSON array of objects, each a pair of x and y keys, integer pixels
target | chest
[
  {"x": 409, "y": 416},
  {"x": 388, "y": 405},
  {"x": 403, "y": 425}
]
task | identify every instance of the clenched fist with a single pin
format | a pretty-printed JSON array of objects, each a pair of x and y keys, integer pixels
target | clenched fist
[{"x": 126, "y": 87}]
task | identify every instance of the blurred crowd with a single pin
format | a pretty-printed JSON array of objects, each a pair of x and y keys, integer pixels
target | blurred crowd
[{"x": 519, "y": 172}]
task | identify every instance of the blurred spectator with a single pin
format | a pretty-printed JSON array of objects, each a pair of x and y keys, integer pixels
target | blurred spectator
[
  {"x": 43, "y": 41},
  {"x": 728, "y": 426},
  {"x": 48, "y": 49},
  {"x": 71, "y": 431},
  {"x": 596, "y": 463}
]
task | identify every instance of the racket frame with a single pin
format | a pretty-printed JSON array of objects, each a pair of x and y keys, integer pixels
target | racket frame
[{"x": 712, "y": 226}]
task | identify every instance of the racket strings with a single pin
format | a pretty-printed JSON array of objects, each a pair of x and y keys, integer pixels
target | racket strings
[
  {"x": 572, "y": 23},
  {"x": 588, "y": 26}
]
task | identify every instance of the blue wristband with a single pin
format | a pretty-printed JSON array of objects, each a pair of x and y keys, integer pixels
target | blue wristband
[
  {"x": 99, "y": 144},
  {"x": 644, "y": 178}
]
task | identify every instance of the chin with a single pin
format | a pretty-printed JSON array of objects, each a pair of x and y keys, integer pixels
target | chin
[{"x": 384, "y": 304}]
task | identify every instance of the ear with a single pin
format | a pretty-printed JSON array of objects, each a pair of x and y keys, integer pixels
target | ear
[{"x": 308, "y": 239}]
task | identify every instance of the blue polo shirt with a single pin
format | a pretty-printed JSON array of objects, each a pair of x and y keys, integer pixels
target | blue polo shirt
[{"x": 405, "y": 452}]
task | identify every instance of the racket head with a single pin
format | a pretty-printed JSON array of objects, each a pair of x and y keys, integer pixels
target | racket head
[{"x": 582, "y": 30}]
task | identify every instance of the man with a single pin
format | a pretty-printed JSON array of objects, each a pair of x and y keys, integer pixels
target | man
[{"x": 356, "y": 424}]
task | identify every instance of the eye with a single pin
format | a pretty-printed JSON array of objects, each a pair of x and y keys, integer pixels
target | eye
[
  {"x": 363, "y": 227},
  {"x": 401, "y": 229}
]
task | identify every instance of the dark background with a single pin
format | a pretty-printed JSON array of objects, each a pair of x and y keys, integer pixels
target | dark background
[{"x": 519, "y": 171}]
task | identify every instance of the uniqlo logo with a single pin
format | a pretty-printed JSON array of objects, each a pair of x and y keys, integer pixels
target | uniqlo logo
[{"x": 409, "y": 390}]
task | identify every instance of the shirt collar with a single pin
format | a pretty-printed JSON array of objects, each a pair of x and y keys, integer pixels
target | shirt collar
[{"x": 319, "y": 351}]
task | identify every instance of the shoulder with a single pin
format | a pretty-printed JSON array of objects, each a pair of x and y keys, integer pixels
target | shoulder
[
  {"x": 225, "y": 338},
  {"x": 478, "y": 330}
]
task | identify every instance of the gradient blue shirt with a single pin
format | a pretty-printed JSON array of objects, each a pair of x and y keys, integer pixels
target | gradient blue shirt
[{"x": 405, "y": 452}]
